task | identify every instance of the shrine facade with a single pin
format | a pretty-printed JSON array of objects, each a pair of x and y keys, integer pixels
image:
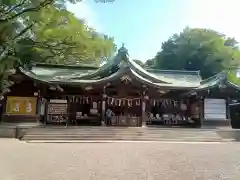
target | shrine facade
[{"x": 119, "y": 93}]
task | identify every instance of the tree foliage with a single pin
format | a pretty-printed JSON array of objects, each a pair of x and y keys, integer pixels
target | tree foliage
[
  {"x": 62, "y": 38},
  {"x": 139, "y": 62},
  {"x": 198, "y": 49},
  {"x": 43, "y": 31}
]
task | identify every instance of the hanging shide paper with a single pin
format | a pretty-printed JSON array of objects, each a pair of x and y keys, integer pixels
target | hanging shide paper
[
  {"x": 122, "y": 101},
  {"x": 138, "y": 102},
  {"x": 129, "y": 102}
]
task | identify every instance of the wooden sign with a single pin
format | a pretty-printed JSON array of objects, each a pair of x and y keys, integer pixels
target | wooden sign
[{"x": 21, "y": 105}]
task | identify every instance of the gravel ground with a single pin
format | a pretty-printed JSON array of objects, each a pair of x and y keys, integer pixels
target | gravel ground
[{"x": 118, "y": 161}]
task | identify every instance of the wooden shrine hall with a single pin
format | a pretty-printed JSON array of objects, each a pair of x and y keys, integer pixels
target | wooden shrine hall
[{"x": 119, "y": 93}]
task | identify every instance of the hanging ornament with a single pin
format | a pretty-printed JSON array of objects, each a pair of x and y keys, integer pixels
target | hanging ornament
[
  {"x": 154, "y": 102},
  {"x": 116, "y": 102},
  {"x": 167, "y": 102},
  {"x": 109, "y": 100},
  {"x": 130, "y": 102},
  {"x": 73, "y": 98},
  {"x": 119, "y": 102},
  {"x": 112, "y": 101},
  {"x": 174, "y": 103},
  {"x": 138, "y": 102}
]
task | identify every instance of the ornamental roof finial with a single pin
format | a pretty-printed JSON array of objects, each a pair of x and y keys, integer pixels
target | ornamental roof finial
[{"x": 123, "y": 49}]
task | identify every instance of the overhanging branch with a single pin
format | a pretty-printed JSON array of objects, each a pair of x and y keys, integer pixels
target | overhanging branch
[
  {"x": 37, "y": 8},
  {"x": 13, "y": 8}
]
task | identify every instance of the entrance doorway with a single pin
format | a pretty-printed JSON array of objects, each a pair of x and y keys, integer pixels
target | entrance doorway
[{"x": 126, "y": 111}]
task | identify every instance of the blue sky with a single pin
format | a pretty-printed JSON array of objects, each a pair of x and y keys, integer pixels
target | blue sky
[{"x": 144, "y": 24}]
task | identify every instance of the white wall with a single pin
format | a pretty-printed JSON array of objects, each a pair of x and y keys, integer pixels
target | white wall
[{"x": 215, "y": 109}]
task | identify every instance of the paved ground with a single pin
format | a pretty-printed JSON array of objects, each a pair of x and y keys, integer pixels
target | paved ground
[{"x": 118, "y": 161}]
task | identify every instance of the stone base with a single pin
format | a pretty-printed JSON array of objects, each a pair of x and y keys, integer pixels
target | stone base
[
  {"x": 7, "y": 132},
  {"x": 144, "y": 124}
]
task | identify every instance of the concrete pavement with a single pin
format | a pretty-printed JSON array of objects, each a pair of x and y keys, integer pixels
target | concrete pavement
[{"x": 119, "y": 161}]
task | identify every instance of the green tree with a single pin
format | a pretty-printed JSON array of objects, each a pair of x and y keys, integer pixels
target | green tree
[
  {"x": 149, "y": 63},
  {"x": 62, "y": 38},
  {"x": 21, "y": 40},
  {"x": 139, "y": 62},
  {"x": 198, "y": 49}
]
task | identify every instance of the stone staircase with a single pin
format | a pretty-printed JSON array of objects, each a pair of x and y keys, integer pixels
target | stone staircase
[{"x": 119, "y": 134}]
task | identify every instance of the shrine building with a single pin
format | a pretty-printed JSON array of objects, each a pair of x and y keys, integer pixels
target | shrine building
[{"x": 132, "y": 95}]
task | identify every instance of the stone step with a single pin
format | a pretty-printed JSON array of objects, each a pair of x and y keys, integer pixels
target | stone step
[
  {"x": 87, "y": 138},
  {"x": 42, "y": 130},
  {"x": 128, "y": 139},
  {"x": 119, "y": 133},
  {"x": 92, "y": 128},
  {"x": 124, "y": 135},
  {"x": 110, "y": 136},
  {"x": 113, "y": 137}
]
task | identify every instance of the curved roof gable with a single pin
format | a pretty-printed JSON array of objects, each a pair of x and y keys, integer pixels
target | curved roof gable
[{"x": 113, "y": 68}]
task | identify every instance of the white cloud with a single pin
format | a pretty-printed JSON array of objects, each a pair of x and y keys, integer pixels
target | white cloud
[{"x": 83, "y": 10}]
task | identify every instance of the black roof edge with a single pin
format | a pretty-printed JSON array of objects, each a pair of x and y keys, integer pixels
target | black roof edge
[
  {"x": 172, "y": 71},
  {"x": 80, "y": 66}
]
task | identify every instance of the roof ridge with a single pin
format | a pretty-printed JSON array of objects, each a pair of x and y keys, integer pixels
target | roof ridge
[
  {"x": 214, "y": 76},
  {"x": 66, "y": 65},
  {"x": 168, "y": 70}
]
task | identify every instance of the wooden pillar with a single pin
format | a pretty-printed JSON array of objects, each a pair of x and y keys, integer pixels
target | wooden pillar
[
  {"x": 103, "y": 106},
  {"x": 44, "y": 94},
  {"x": 143, "y": 110},
  {"x": 3, "y": 102},
  {"x": 39, "y": 104},
  {"x": 228, "y": 115},
  {"x": 201, "y": 111}
]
